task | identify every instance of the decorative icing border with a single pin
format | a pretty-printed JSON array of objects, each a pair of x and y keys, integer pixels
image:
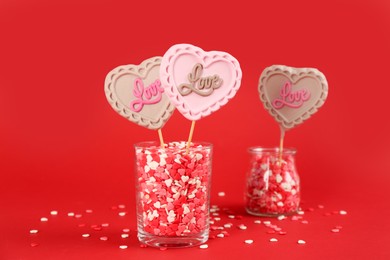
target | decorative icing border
[
  {"x": 171, "y": 89},
  {"x": 294, "y": 74},
  {"x": 138, "y": 70}
]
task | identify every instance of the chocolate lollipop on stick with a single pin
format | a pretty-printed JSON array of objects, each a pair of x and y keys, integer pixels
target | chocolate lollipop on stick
[
  {"x": 135, "y": 92},
  {"x": 292, "y": 95},
  {"x": 198, "y": 83}
]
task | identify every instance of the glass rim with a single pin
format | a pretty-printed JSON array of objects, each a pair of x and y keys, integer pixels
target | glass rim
[
  {"x": 146, "y": 144},
  {"x": 260, "y": 149}
]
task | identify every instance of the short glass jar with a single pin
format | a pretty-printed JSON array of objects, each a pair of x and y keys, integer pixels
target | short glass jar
[
  {"x": 272, "y": 182},
  {"x": 173, "y": 193}
]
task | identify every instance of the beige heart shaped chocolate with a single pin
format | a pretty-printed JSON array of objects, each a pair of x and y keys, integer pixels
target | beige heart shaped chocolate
[
  {"x": 135, "y": 92},
  {"x": 292, "y": 95}
]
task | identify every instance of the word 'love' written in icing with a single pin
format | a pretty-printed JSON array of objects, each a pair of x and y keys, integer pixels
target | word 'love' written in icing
[
  {"x": 293, "y": 99},
  {"x": 202, "y": 86},
  {"x": 145, "y": 96}
]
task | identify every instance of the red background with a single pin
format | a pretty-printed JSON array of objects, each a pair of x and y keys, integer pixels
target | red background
[{"x": 63, "y": 147}]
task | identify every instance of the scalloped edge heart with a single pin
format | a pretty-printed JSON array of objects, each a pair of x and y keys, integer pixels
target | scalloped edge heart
[
  {"x": 207, "y": 58},
  {"x": 294, "y": 74},
  {"x": 140, "y": 70}
]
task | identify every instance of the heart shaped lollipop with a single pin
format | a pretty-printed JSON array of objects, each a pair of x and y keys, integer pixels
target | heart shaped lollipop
[
  {"x": 292, "y": 95},
  {"x": 198, "y": 82},
  {"x": 135, "y": 92}
]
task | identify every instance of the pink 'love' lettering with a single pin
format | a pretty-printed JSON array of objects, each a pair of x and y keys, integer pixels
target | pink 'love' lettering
[
  {"x": 293, "y": 99},
  {"x": 152, "y": 94}
]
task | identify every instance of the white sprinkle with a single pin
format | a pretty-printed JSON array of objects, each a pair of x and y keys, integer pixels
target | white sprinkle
[
  {"x": 343, "y": 212},
  {"x": 153, "y": 165},
  {"x": 54, "y": 212},
  {"x": 85, "y": 235},
  {"x": 301, "y": 242},
  {"x": 44, "y": 219},
  {"x": 335, "y": 230},
  {"x": 301, "y": 212},
  {"x": 215, "y": 214},
  {"x": 168, "y": 182},
  {"x": 199, "y": 156},
  {"x": 34, "y": 231},
  {"x": 147, "y": 169},
  {"x": 157, "y": 204},
  {"x": 184, "y": 178},
  {"x": 89, "y": 211},
  {"x": 231, "y": 216},
  {"x": 280, "y": 204},
  {"x": 267, "y": 222},
  {"x": 204, "y": 246},
  {"x": 123, "y": 247},
  {"x": 279, "y": 178},
  {"x": 71, "y": 214},
  {"x": 122, "y": 214},
  {"x": 228, "y": 225},
  {"x": 242, "y": 227},
  {"x": 124, "y": 235},
  {"x": 273, "y": 240},
  {"x": 281, "y": 217},
  {"x": 217, "y": 218},
  {"x": 103, "y": 238},
  {"x": 221, "y": 194},
  {"x": 105, "y": 225},
  {"x": 248, "y": 241},
  {"x": 257, "y": 221},
  {"x": 221, "y": 235}
]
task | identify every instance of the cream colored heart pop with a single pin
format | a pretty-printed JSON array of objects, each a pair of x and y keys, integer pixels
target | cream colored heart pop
[{"x": 292, "y": 95}]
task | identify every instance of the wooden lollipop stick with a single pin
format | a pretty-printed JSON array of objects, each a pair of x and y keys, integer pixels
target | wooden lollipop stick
[
  {"x": 160, "y": 136},
  {"x": 190, "y": 136},
  {"x": 282, "y": 131}
]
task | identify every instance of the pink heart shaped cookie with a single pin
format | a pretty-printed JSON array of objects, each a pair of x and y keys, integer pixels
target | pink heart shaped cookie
[
  {"x": 292, "y": 95},
  {"x": 198, "y": 82},
  {"x": 135, "y": 92}
]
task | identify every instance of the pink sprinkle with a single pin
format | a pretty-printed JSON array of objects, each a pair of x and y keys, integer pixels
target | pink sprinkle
[
  {"x": 123, "y": 247},
  {"x": 122, "y": 214},
  {"x": 121, "y": 206},
  {"x": 34, "y": 244},
  {"x": 305, "y": 222},
  {"x": 54, "y": 212},
  {"x": 78, "y": 216},
  {"x": 89, "y": 211},
  {"x": 126, "y": 230},
  {"x": 103, "y": 238},
  {"x": 338, "y": 227},
  {"x": 85, "y": 235},
  {"x": 105, "y": 224},
  {"x": 335, "y": 230},
  {"x": 321, "y": 206},
  {"x": 44, "y": 219},
  {"x": 34, "y": 231},
  {"x": 163, "y": 248}
]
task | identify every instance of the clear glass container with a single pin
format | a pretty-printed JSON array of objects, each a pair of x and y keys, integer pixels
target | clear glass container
[
  {"x": 272, "y": 183},
  {"x": 173, "y": 193}
]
